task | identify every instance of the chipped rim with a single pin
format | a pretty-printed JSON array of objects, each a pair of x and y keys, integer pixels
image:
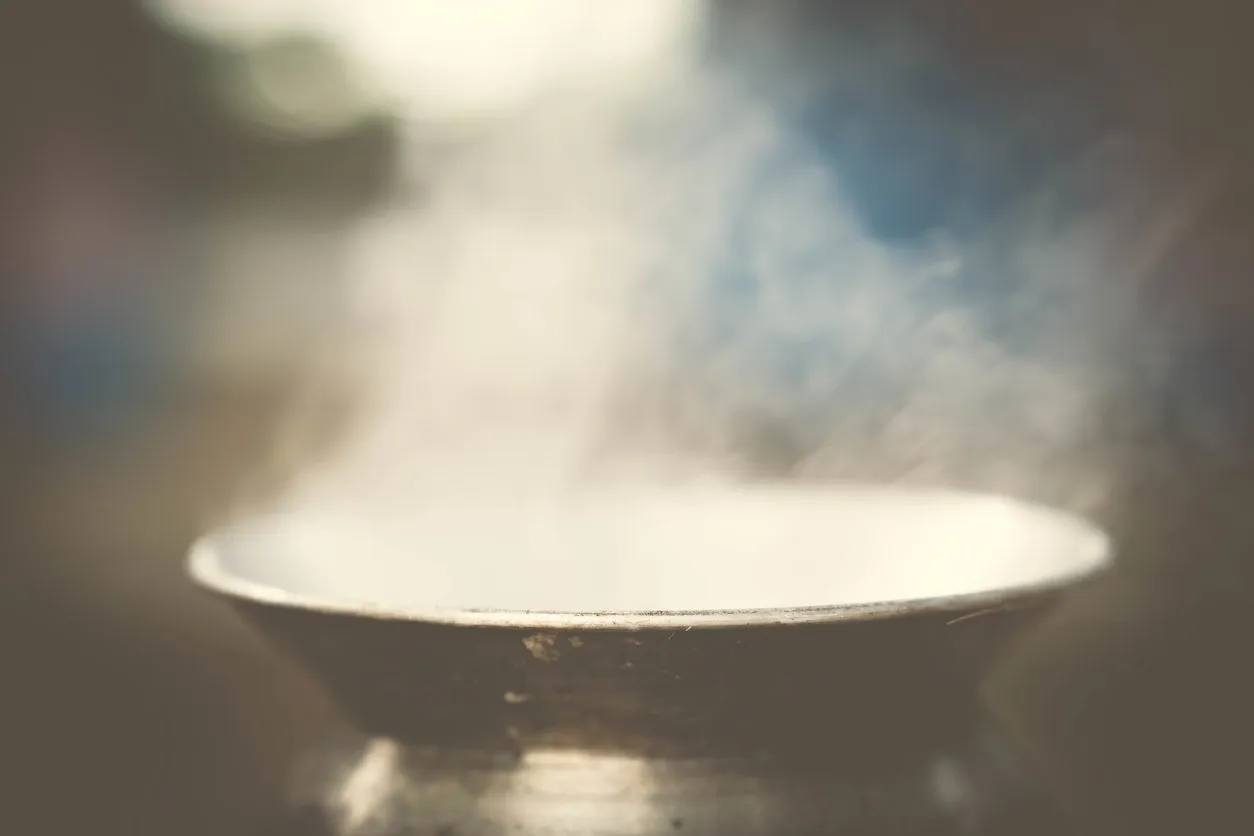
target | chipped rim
[{"x": 205, "y": 569}]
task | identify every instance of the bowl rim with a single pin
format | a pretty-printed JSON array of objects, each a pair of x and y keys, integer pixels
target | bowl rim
[{"x": 205, "y": 569}]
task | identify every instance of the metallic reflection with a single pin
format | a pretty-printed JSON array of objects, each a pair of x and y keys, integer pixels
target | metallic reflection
[
  {"x": 368, "y": 783},
  {"x": 588, "y": 787}
]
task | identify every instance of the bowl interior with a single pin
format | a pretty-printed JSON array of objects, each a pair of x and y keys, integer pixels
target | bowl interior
[{"x": 656, "y": 553}]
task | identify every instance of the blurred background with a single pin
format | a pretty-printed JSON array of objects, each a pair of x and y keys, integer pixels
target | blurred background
[{"x": 176, "y": 182}]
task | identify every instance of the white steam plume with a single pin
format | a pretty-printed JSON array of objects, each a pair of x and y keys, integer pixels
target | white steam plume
[{"x": 611, "y": 275}]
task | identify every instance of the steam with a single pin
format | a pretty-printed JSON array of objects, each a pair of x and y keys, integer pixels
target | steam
[{"x": 627, "y": 266}]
